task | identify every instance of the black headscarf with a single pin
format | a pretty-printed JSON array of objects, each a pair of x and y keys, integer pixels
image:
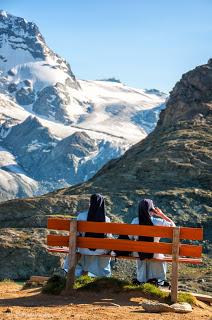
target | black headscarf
[
  {"x": 144, "y": 208},
  {"x": 96, "y": 213}
]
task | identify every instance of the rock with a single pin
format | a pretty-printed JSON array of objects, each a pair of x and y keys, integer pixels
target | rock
[
  {"x": 24, "y": 96},
  {"x": 52, "y": 102},
  {"x": 201, "y": 280},
  {"x": 182, "y": 307},
  {"x": 156, "y": 307},
  {"x": 8, "y": 310},
  {"x": 27, "y": 254}
]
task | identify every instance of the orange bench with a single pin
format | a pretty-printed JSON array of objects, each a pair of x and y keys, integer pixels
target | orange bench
[{"x": 176, "y": 251}]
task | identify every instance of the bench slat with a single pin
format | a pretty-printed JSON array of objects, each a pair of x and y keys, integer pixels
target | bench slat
[
  {"x": 191, "y": 233},
  {"x": 58, "y": 224},
  {"x": 189, "y": 250},
  {"x": 54, "y": 240},
  {"x": 125, "y": 229},
  {"x": 166, "y": 259},
  {"x": 126, "y": 245}
]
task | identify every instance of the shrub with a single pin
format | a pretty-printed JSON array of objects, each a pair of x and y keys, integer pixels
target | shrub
[{"x": 54, "y": 285}]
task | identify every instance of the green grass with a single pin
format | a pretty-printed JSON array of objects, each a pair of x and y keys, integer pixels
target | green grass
[
  {"x": 186, "y": 297},
  {"x": 117, "y": 285},
  {"x": 83, "y": 282},
  {"x": 93, "y": 284},
  {"x": 148, "y": 289},
  {"x": 56, "y": 284}
]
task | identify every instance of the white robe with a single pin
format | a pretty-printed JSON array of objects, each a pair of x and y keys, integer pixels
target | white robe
[
  {"x": 95, "y": 266},
  {"x": 147, "y": 270}
]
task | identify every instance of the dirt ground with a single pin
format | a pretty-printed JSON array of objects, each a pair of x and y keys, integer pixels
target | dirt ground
[{"x": 18, "y": 304}]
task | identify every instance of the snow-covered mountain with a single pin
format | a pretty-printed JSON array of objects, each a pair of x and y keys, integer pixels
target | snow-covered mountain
[{"x": 57, "y": 130}]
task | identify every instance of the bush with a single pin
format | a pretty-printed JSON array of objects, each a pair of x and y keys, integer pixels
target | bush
[{"x": 54, "y": 285}]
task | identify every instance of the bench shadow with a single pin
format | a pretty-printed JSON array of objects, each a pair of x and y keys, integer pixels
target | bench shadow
[{"x": 104, "y": 298}]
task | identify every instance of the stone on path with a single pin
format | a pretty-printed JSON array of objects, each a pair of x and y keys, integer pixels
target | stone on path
[
  {"x": 150, "y": 306},
  {"x": 182, "y": 307},
  {"x": 158, "y": 307}
]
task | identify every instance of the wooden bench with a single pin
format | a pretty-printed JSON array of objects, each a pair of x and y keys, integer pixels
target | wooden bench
[{"x": 177, "y": 252}]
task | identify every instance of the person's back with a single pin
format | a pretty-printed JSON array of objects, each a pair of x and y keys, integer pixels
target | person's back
[
  {"x": 89, "y": 262},
  {"x": 148, "y": 271}
]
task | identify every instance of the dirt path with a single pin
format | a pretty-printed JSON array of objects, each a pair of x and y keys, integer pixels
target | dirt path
[{"x": 30, "y": 304}]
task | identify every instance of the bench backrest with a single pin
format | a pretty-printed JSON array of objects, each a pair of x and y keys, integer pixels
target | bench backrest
[{"x": 188, "y": 250}]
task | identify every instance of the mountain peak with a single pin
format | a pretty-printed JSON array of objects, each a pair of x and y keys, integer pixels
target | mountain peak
[
  {"x": 3, "y": 13},
  {"x": 21, "y": 42},
  {"x": 17, "y": 25},
  {"x": 190, "y": 97}
]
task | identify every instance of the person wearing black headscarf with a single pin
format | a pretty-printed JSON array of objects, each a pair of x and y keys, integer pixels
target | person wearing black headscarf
[
  {"x": 144, "y": 209},
  {"x": 96, "y": 213},
  {"x": 150, "y": 271},
  {"x": 90, "y": 262}
]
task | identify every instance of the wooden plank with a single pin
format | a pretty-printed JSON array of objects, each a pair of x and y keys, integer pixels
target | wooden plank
[
  {"x": 186, "y": 250},
  {"x": 129, "y": 229},
  {"x": 191, "y": 233},
  {"x": 39, "y": 279},
  {"x": 137, "y": 246},
  {"x": 72, "y": 256},
  {"x": 56, "y": 240},
  {"x": 126, "y": 245},
  {"x": 165, "y": 259},
  {"x": 202, "y": 297},
  {"x": 189, "y": 250},
  {"x": 175, "y": 263},
  {"x": 58, "y": 224},
  {"x": 124, "y": 229}
]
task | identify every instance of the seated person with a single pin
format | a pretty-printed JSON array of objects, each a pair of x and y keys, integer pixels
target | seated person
[
  {"x": 150, "y": 271},
  {"x": 89, "y": 262}
]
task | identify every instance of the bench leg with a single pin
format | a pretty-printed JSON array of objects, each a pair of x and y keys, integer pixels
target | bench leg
[
  {"x": 174, "y": 282},
  {"x": 175, "y": 263},
  {"x": 72, "y": 256}
]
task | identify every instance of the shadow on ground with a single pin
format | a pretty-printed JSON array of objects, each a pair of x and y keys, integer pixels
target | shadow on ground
[{"x": 34, "y": 298}]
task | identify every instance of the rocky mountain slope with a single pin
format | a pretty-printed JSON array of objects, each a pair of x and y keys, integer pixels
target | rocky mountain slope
[
  {"x": 172, "y": 166},
  {"x": 45, "y": 111}
]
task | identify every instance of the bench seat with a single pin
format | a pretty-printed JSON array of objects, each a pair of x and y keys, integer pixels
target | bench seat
[{"x": 165, "y": 259}]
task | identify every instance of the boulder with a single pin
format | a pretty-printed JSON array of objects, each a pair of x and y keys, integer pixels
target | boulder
[
  {"x": 157, "y": 307},
  {"x": 182, "y": 307}
]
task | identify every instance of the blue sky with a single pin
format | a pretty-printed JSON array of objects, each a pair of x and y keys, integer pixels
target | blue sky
[{"x": 144, "y": 43}]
